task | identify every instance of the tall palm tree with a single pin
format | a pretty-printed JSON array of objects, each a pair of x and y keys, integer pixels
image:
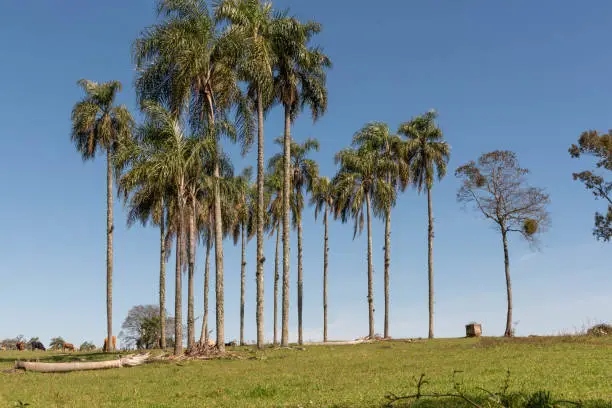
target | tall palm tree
[
  {"x": 148, "y": 201},
  {"x": 254, "y": 23},
  {"x": 183, "y": 62},
  {"x": 242, "y": 229},
  {"x": 362, "y": 182},
  {"x": 274, "y": 189},
  {"x": 206, "y": 219},
  {"x": 300, "y": 80},
  {"x": 165, "y": 155},
  {"x": 323, "y": 198},
  {"x": 428, "y": 155},
  {"x": 99, "y": 124},
  {"x": 377, "y": 137},
  {"x": 302, "y": 171}
]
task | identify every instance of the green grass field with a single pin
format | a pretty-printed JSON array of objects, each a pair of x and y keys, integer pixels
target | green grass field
[{"x": 575, "y": 368}]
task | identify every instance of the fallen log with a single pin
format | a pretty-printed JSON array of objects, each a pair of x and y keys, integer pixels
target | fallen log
[{"x": 128, "y": 361}]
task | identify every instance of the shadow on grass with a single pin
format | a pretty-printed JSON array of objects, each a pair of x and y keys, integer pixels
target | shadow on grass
[{"x": 454, "y": 403}]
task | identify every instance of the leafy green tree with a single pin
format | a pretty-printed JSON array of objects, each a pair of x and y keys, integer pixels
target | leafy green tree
[
  {"x": 497, "y": 187},
  {"x": 141, "y": 328},
  {"x": 300, "y": 81},
  {"x": 184, "y": 63},
  {"x": 100, "y": 125},
  {"x": 303, "y": 171},
  {"x": 428, "y": 155},
  {"x": 254, "y": 24},
  {"x": 87, "y": 346},
  {"x": 361, "y": 187},
  {"x": 323, "y": 197},
  {"x": 598, "y": 145},
  {"x": 57, "y": 343},
  {"x": 377, "y": 137}
]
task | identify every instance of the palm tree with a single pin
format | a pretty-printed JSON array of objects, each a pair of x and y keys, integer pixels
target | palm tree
[
  {"x": 428, "y": 155},
  {"x": 242, "y": 230},
  {"x": 377, "y": 137},
  {"x": 253, "y": 22},
  {"x": 206, "y": 219},
  {"x": 362, "y": 182},
  {"x": 274, "y": 190},
  {"x": 300, "y": 80},
  {"x": 147, "y": 201},
  {"x": 99, "y": 124},
  {"x": 302, "y": 171},
  {"x": 183, "y": 62},
  {"x": 323, "y": 197},
  {"x": 164, "y": 155}
]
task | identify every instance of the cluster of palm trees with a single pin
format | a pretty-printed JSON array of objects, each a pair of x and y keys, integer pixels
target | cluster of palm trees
[{"x": 209, "y": 74}]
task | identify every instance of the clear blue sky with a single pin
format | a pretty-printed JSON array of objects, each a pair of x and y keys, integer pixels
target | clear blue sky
[{"x": 522, "y": 75}]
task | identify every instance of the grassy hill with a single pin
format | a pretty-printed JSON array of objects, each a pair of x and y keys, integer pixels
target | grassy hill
[{"x": 573, "y": 368}]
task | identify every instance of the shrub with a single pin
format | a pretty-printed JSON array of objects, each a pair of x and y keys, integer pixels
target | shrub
[
  {"x": 87, "y": 346},
  {"x": 599, "y": 330}
]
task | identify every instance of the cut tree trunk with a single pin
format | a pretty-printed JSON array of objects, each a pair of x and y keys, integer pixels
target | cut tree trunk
[
  {"x": 508, "y": 332},
  {"x": 162, "y": 278},
  {"x": 370, "y": 270},
  {"x": 430, "y": 237},
  {"x": 109, "y": 249},
  {"x": 260, "y": 221},
  {"x": 286, "y": 226},
  {"x": 128, "y": 361}
]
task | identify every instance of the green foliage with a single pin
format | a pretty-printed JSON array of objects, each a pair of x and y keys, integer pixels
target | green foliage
[
  {"x": 87, "y": 346},
  {"x": 57, "y": 343},
  {"x": 530, "y": 226},
  {"x": 599, "y": 146},
  {"x": 426, "y": 150}
]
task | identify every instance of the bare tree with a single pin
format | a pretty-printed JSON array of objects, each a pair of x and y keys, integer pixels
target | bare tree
[{"x": 497, "y": 187}]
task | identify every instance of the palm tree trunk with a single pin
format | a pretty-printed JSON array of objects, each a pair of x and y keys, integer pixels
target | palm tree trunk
[
  {"x": 109, "y": 250},
  {"x": 242, "y": 283},
  {"x": 260, "y": 221},
  {"x": 219, "y": 289},
  {"x": 325, "y": 254},
  {"x": 370, "y": 270},
  {"x": 276, "y": 279},
  {"x": 191, "y": 271},
  {"x": 387, "y": 265},
  {"x": 286, "y": 221},
  {"x": 204, "y": 335},
  {"x": 178, "y": 300},
  {"x": 300, "y": 283},
  {"x": 430, "y": 237},
  {"x": 508, "y": 332},
  {"x": 162, "y": 278}
]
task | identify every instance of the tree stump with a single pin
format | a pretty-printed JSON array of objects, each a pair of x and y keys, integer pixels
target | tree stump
[{"x": 473, "y": 330}]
